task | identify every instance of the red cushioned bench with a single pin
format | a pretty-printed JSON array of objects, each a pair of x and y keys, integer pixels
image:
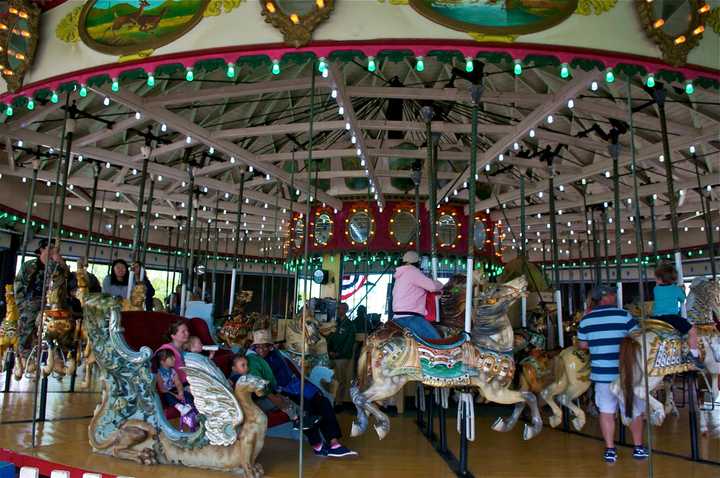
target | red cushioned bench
[{"x": 150, "y": 329}]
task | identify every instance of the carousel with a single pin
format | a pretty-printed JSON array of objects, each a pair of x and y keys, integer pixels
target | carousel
[{"x": 209, "y": 211}]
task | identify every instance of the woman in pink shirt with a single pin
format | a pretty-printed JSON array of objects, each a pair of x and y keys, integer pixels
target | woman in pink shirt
[{"x": 408, "y": 297}]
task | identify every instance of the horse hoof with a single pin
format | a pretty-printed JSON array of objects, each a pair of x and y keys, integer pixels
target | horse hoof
[
  {"x": 499, "y": 425},
  {"x": 554, "y": 421},
  {"x": 355, "y": 430},
  {"x": 381, "y": 431},
  {"x": 578, "y": 424},
  {"x": 529, "y": 432}
]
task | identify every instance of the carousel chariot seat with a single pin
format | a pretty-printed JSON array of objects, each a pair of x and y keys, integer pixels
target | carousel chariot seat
[{"x": 150, "y": 329}]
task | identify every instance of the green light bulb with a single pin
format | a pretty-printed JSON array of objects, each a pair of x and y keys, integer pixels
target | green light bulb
[
  {"x": 371, "y": 65},
  {"x": 9, "y": 110},
  {"x": 322, "y": 65},
  {"x": 54, "y": 97},
  {"x": 31, "y": 104},
  {"x": 83, "y": 91},
  {"x": 151, "y": 80},
  {"x": 469, "y": 65},
  {"x": 517, "y": 69},
  {"x": 231, "y": 70},
  {"x": 564, "y": 71},
  {"x": 189, "y": 75},
  {"x": 609, "y": 76},
  {"x": 115, "y": 85},
  {"x": 650, "y": 81},
  {"x": 689, "y": 88},
  {"x": 276, "y": 68},
  {"x": 420, "y": 64}
]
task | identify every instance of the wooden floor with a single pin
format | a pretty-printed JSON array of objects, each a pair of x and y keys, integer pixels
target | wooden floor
[{"x": 404, "y": 453}]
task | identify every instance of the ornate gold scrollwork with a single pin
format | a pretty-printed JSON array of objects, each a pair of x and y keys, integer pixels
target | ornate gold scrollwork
[
  {"x": 296, "y": 19},
  {"x": 675, "y": 28}
]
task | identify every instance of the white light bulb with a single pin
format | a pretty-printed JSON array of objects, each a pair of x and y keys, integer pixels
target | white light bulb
[
  {"x": 163, "y": 127},
  {"x": 550, "y": 119},
  {"x": 334, "y": 93},
  {"x": 137, "y": 115},
  {"x": 341, "y": 110},
  {"x": 516, "y": 146},
  {"x": 571, "y": 103},
  {"x": 594, "y": 86},
  {"x": 250, "y": 169},
  {"x": 532, "y": 133}
]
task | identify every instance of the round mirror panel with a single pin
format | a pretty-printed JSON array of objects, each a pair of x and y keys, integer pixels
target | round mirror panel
[
  {"x": 447, "y": 230},
  {"x": 673, "y": 16},
  {"x": 299, "y": 233},
  {"x": 298, "y": 7},
  {"x": 480, "y": 234},
  {"x": 323, "y": 229},
  {"x": 403, "y": 228},
  {"x": 359, "y": 227}
]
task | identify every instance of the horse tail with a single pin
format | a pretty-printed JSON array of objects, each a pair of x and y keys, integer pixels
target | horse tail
[{"x": 628, "y": 352}]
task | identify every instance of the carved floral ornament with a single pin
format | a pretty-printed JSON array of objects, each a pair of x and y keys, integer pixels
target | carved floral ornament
[
  {"x": 296, "y": 19},
  {"x": 675, "y": 26}
]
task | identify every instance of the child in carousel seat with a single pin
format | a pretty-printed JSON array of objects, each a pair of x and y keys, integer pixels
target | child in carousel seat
[
  {"x": 669, "y": 298},
  {"x": 195, "y": 346},
  {"x": 241, "y": 366},
  {"x": 171, "y": 388}
]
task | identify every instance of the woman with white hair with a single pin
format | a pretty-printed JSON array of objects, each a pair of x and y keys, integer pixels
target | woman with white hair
[{"x": 408, "y": 297}]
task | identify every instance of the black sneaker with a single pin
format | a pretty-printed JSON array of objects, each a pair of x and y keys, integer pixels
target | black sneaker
[
  {"x": 309, "y": 421},
  {"x": 610, "y": 455},
  {"x": 640, "y": 453},
  {"x": 340, "y": 451},
  {"x": 323, "y": 451}
]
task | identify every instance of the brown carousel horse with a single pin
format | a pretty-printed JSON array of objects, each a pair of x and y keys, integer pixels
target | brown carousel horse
[{"x": 483, "y": 360}]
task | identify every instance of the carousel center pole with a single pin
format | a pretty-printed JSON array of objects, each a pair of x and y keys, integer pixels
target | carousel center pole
[
  {"x": 233, "y": 278},
  {"x": 305, "y": 265},
  {"x": 189, "y": 223},
  {"x": 641, "y": 273},
  {"x": 555, "y": 254},
  {"x": 215, "y": 251},
  {"x": 614, "y": 149},
  {"x": 146, "y": 150},
  {"x": 115, "y": 235},
  {"x": 148, "y": 219},
  {"x": 522, "y": 245},
  {"x": 68, "y": 125}
]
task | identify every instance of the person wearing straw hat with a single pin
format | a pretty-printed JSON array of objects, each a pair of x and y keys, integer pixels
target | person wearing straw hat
[
  {"x": 28, "y": 287},
  {"x": 288, "y": 383},
  {"x": 408, "y": 297},
  {"x": 601, "y": 330}
]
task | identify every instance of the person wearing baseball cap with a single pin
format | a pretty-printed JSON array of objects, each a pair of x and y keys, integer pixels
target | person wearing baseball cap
[
  {"x": 601, "y": 330},
  {"x": 408, "y": 297}
]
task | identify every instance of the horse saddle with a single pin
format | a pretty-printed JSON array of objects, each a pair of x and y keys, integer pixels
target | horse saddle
[{"x": 443, "y": 343}]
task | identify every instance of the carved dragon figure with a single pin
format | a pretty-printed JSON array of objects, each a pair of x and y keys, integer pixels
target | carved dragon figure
[
  {"x": 8, "y": 329},
  {"x": 129, "y": 422}
]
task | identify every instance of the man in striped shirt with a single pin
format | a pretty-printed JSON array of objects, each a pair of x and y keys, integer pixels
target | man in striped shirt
[{"x": 601, "y": 331}]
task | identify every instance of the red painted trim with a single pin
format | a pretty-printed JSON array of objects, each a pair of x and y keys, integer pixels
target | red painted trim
[
  {"x": 419, "y": 47},
  {"x": 46, "y": 5},
  {"x": 45, "y": 466}
]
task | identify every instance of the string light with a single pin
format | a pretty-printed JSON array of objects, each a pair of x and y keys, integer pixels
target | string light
[
  {"x": 189, "y": 74},
  {"x": 650, "y": 81},
  {"x": 564, "y": 71},
  {"x": 115, "y": 85},
  {"x": 371, "y": 64},
  {"x": 419, "y": 64},
  {"x": 83, "y": 91},
  {"x": 517, "y": 68},
  {"x": 276, "y": 67},
  {"x": 230, "y": 70},
  {"x": 150, "y": 80},
  {"x": 609, "y": 75},
  {"x": 571, "y": 103},
  {"x": 469, "y": 64}
]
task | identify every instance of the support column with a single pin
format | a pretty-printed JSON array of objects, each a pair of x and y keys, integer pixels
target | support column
[{"x": 555, "y": 255}]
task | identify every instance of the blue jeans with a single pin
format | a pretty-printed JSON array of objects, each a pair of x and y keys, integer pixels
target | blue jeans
[{"x": 418, "y": 325}]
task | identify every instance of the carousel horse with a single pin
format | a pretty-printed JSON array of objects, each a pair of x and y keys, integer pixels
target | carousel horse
[
  {"x": 9, "y": 339},
  {"x": 84, "y": 349},
  {"x": 563, "y": 377},
  {"x": 238, "y": 330},
  {"x": 58, "y": 330},
  {"x": 313, "y": 337},
  {"x": 665, "y": 351},
  {"x": 130, "y": 423},
  {"x": 483, "y": 359},
  {"x": 703, "y": 310}
]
